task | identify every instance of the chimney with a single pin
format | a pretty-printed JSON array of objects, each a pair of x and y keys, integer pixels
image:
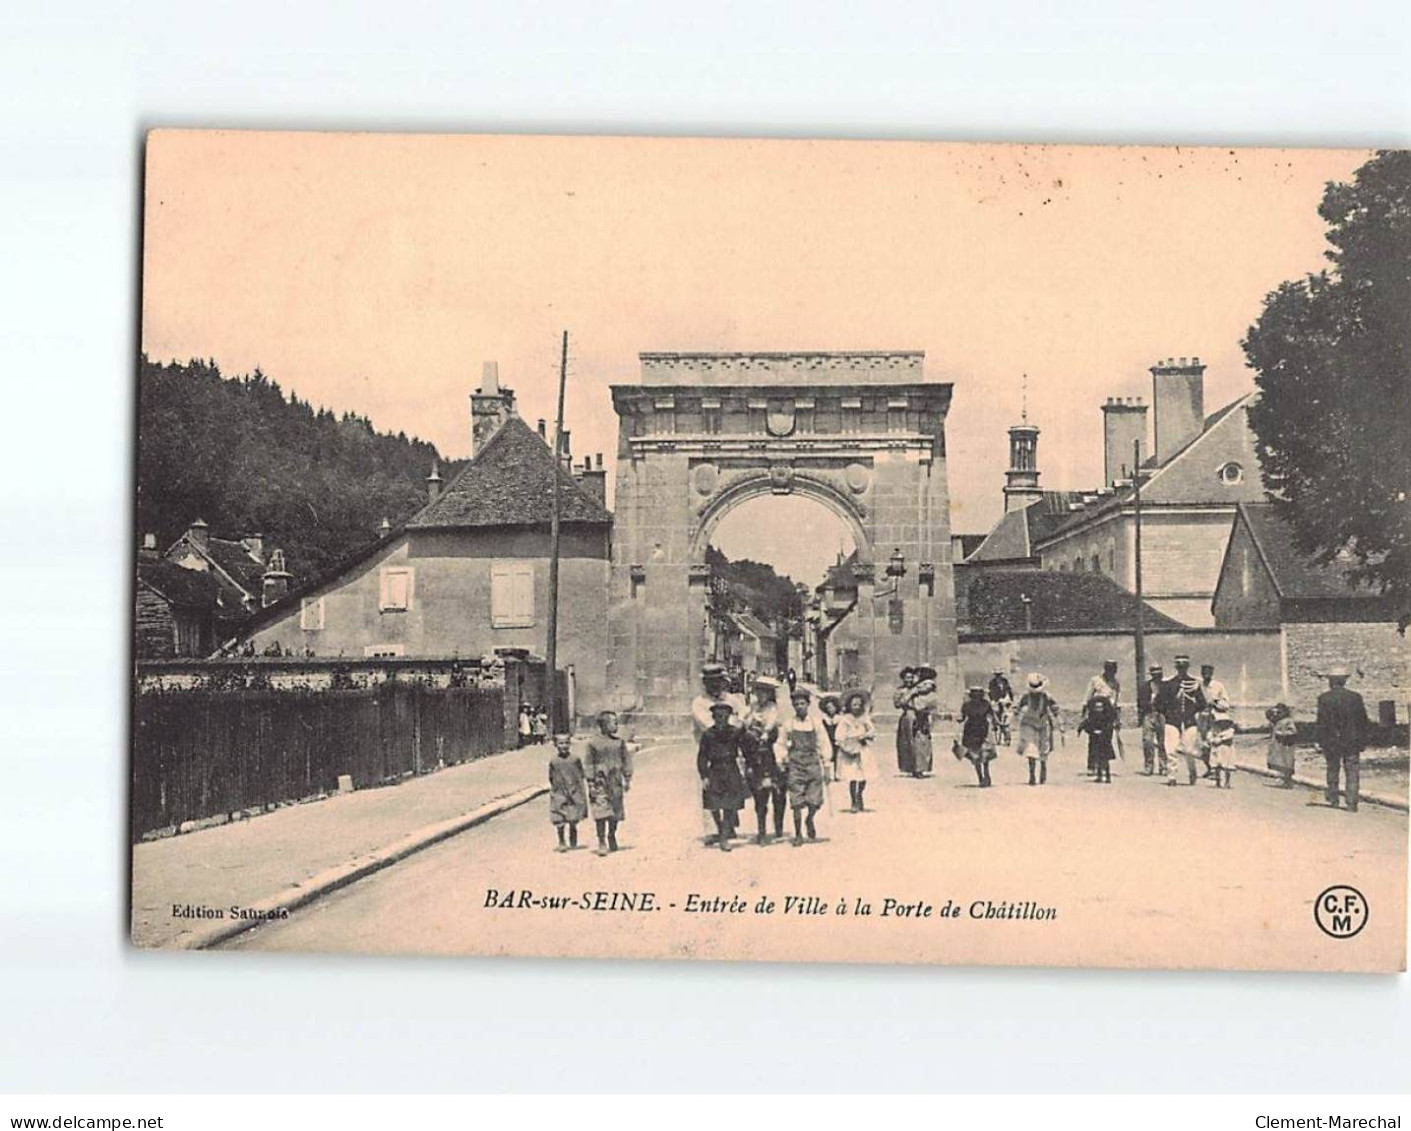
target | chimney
[
  {"x": 594, "y": 479},
  {"x": 1178, "y": 397},
  {"x": 149, "y": 546},
  {"x": 540, "y": 428},
  {"x": 254, "y": 546},
  {"x": 385, "y": 527},
  {"x": 1123, "y": 424},
  {"x": 1021, "y": 486},
  {"x": 433, "y": 483},
  {"x": 566, "y": 451},
  {"x": 490, "y": 406},
  {"x": 275, "y": 582},
  {"x": 199, "y": 534}
]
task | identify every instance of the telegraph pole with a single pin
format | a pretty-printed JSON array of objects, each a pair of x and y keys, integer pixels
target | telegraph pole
[
  {"x": 1137, "y": 504},
  {"x": 552, "y": 647}
]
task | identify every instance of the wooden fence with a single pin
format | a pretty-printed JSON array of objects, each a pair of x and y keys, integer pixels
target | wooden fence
[{"x": 201, "y": 752}]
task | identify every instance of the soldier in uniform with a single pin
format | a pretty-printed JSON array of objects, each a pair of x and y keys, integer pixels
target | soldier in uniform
[
  {"x": 1181, "y": 703},
  {"x": 1342, "y": 735}
]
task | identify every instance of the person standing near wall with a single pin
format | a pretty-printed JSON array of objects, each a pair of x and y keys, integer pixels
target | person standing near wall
[
  {"x": 1152, "y": 724},
  {"x": 1342, "y": 735}
]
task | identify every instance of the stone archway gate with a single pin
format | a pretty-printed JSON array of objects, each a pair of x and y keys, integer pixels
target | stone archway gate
[{"x": 862, "y": 433}]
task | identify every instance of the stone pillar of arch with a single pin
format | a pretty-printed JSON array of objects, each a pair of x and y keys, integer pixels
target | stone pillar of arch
[{"x": 860, "y": 433}]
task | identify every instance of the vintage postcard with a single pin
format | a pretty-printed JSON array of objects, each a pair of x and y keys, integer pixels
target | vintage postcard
[{"x": 772, "y": 551}]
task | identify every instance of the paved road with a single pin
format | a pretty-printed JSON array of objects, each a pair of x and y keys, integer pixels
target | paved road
[{"x": 1136, "y": 874}]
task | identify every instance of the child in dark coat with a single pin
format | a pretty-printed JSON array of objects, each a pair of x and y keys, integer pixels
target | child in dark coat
[
  {"x": 1099, "y": 720},
  {"x": 568, "y": 792}
]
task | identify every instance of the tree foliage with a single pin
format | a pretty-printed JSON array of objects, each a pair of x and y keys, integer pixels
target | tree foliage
[
  {"x": 1333, "y": 356},
  {"x": 243, "y": 456},
  {"x": 755, "y": 586}
]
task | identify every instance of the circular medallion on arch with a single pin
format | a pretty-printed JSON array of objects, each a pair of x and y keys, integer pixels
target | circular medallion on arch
[
  {"x": 705, "y": 478},
  {"x": 858, "y": 477}
]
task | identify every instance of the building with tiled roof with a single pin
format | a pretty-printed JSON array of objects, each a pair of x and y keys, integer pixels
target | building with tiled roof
[
  {"x": 1194, "y": 470},
  {"x": 246, "y": 579},
  {"x": 1323, "y": 616},
  {"x": 177, "y": 609},
  {"x": 468, "y": 574}
]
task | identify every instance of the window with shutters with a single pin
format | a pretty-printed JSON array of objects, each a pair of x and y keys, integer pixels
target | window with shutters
[
  {"x": 311, "y": 614},
  {"x": 395, "y": 590},
  {"x": 512, "y": 594}
]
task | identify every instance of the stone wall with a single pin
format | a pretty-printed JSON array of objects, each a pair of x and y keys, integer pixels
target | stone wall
[{"x": 1376, "y": 654}]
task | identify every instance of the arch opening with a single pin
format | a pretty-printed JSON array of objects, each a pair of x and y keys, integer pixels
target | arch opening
[{"x": 781, "y": 584}]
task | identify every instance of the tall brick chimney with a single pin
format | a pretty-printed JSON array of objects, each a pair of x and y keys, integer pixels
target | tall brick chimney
[
  {"x": 1123, "y": 424},
  {"x": 1178, "y": 398},
  {"x": 490, "y": 406}
]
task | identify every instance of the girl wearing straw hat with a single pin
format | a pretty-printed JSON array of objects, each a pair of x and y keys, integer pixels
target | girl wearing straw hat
[
  {"x": 1036, "y": 717},
  {"x": 856, "y": 735}
]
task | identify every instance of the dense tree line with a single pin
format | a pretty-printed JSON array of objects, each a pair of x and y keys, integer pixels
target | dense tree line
[
  {"x": 755, "y": 586},
  {"x": 1333, "y": 357},
  {"x": 245, "y": 457}
]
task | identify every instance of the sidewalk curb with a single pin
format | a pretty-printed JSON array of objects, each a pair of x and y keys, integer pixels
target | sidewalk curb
[
  {"x": 331, "y": 879},
  {"x": 1399, "y": 804}
]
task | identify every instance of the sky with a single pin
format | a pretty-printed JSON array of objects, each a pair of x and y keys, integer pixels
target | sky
[{"x": 376, "y": 272}]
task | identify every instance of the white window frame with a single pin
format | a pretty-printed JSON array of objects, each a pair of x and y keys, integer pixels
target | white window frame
[
  {"x": 512, "y": 607},
  {"x": 384, "y": 605},
  {"x": 384, "y": 651},
  {"x": 308, "y": 606}
]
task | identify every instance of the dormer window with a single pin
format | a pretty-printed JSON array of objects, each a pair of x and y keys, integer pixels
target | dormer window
[{"x": 1231, "y": 473}]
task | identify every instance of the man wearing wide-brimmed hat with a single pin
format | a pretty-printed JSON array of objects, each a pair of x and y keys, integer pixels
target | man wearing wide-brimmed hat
[
  {"x": 716, "y": 689},
  {"x": 1342, "y": 735}
]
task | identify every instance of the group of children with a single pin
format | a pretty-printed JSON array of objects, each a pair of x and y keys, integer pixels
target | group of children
[
  {"x": 989, "y": 717},
  {"x": 533, "y": 725},
  {"x": 756, "y": 754},
  {"x": 596, "y": 783}
]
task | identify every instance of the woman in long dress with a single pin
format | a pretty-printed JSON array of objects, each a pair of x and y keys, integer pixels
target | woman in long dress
[
  {"x": 902, "y": 702},
  {"x": 923, "y": 707},
  {"x": 856, "y": 734}
]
